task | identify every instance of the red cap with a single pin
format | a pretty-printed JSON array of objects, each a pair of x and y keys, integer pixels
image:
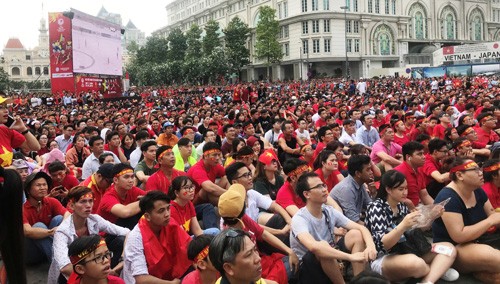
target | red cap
[{"x": 267, "y": 157}]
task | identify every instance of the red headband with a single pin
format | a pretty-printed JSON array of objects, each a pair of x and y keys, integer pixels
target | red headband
[
  {"x": 492, "y": 168},
  {"x": 201, "y": 255},
  {"x": 299, "y": 170},
  {"x": 124, "y": 172},
  {"x": 466, "y": 143},
  {"x": 467, "y": 131},
  {"x": 384, "y": 130},
  {"x": 163, "y": 153},
  {"x": 212, "y": 151},
  {"x": 75, "y": 259},
  {"x": 463, "y": 167}
]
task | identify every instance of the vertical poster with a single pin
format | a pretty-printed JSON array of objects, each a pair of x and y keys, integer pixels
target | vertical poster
[{"x": 61, "y": 53}]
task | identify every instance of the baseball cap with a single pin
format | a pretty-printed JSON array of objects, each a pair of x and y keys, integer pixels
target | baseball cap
[
  {"x": 106, "y": 170},
  {"x": 5, "y": 100},
  {"x": 232, "y": 202},
  {"x": 20, "y": 164},
  {"x": 167, "y": 124},
  {"x": 267, "y": 157},
  {"x": 251, "y": 140}
]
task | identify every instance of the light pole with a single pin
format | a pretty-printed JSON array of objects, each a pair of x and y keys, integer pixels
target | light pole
[
  {"x": 300, "y": 64},
  {"x": 345, "y": 8}
]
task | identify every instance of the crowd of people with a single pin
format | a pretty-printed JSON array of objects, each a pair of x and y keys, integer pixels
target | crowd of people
[{"x": 324, "y": 181}]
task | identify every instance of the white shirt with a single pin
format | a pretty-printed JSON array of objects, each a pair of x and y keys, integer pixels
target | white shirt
[
  {"x": 66, "y": 234},
  {"x": 256, "y": 201},
  {"x": 135, "y": 156},
  {"x": 91, "y": 164}
]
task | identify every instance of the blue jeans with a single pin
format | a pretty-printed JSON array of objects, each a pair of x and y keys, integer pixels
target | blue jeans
[
  {"x": 206, "y": 212},
  {"x": 39, "y": 250}
]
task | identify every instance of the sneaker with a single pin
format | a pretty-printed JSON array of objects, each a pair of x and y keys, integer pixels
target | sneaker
[{"x": 450, "y": 275}]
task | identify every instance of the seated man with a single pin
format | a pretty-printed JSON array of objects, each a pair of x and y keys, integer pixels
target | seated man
[
  {"x": 156, "y": 249},
  {"x": 62, "y": 181},
  {"x": 183, "y": 158},
  {"x": 90, "y": 256},
  {"x": 41, "y": 216},
  {"x": 120, "y": 204},
  {"x": 286, "y": 197},
  {"x": 385, "y": 153},
  {"x": 147, "y": 166},
  {"x": 205, "y": 272},
  {"x": 351, "y": 193},
  {"x": 99, "y": 182},
  {"x": 313, "y": 238},
  {"x": 205, "y": 174},
  {"x": 237, "y": 261},
  {"x": 164, "y": 176}
]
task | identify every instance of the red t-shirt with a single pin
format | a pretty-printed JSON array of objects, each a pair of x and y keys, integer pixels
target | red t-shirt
[
  {"x": 319, "y": 123},
  {"x": 51, "y": 207},
  {"x": 253, "y": 228},
  {"x": 68, "y": 182},
  {"x": 199, "y": 174},
  {"x": 401, "y": 140},
  {"x": 111, "y": 198},
  {"x": 493, "y": 194},
  {"x": 486, "y": 137},
  {"x": 438, "y": 131},
  {"x": 286, "y": 196},
  {"x": 182, "y": 215},
  {"x": 74, "y": 279},
  {"x": 9, "y": 139},
  {"x": 330, "y": 181},
  {"x": 193, "y": 277},
  {"x": 159, "y": 181},
  {"x": 429, "y": 167},
  {"x": 415, "y": 180}
]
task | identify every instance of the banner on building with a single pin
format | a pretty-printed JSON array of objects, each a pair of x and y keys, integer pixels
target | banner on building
[
  {"x": 61, "y": 53},
  {"x": 468, "y": 53}
]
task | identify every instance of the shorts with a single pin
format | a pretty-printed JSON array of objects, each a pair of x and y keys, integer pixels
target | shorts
[{"x": 376, "y": 265}]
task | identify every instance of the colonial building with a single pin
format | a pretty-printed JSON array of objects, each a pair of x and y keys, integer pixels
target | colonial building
[
  {"x": 319, "y": 36},
  {"x": 27, "y": 64}
]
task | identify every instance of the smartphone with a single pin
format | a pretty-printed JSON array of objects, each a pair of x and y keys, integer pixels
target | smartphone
[{"x": 10, "y": 121}]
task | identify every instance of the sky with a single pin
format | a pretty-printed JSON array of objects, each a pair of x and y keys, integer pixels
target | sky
[{"x": 21, "y": 18}]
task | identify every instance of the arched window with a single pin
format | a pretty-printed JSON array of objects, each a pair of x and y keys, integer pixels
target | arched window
[
  {"x": 29, "y": 71},
  {"x": 384, "y": 41},
  {"x": 45, "y": 70},
  {"x": 448, "y": 23},
  {"x": 16, "y": 71},
  {"x": 418, "y": 22},
  {"x": 37, "y": 70},
  {"x": 476, "y": 22}
]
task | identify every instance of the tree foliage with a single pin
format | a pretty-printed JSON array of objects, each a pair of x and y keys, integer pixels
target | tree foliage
[
  {"x": 236, "y": 36},
  {"x": 4, "y": 80},
  {"x": 193, "y": 40},
  {"x": 267, "y": 46},
  {"x": 211, "y": 39},
  {"x": 177, "y": 45}
]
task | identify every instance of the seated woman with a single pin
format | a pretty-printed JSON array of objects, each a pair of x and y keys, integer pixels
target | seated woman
[
  {"x": 82, "y": 223},
  {"x": 468, "y": 216},
  {"x": 388, "y": 218},
  {"x": 491, "y": 172},
  {"x": 181, "y": 192},
  {"x": 267, "y": 180},
  {"x": 76, "y": 155},
  {"x": 326, "y": 166}
]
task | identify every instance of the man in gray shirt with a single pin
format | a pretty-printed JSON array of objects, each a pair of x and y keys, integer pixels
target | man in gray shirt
[
  {"x": 351, "y": 192},
  {"x": 313, "y": 238}
]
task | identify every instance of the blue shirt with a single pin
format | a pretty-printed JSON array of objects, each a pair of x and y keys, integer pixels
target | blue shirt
[
  {"x": 352, "y": 197},
  {"x": 367, "y": 137}
]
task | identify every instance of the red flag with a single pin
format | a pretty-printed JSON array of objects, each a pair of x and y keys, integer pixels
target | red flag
[{"x": 448, "y": 50}]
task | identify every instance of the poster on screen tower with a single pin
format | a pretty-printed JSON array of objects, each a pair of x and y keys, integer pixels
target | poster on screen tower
[{"x": 61, "y": 53}]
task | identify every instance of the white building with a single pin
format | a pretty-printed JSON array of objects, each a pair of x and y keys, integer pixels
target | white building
[
  {"x": 380, "y": 33},
  {"x": 27, "y": 64}
]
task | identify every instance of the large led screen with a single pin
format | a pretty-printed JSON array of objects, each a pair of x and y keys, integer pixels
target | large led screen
[{"x": 96, "y": 45}]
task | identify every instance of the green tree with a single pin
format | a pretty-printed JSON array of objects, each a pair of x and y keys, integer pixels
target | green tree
[
  {"x": 155, "y": 51},
  {"x": 267, "y": 46},
  {"x": 215, "y": 65},
  {"x": 4, "y": 80},
  {"x": 236, "y": 36},
  {"x": 193, "y": 40},
  {"x": 211, "y": 39},
  {"x": 177, "y": 45},
  {"x": 133, "y": 48}
]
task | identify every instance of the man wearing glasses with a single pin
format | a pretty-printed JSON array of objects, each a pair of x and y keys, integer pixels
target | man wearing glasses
[
  {"x": 314, "y": 241},
  {"x": 156, "y": 249},
  {"x": 91, "y": 259},
  {"x": 65, "y": 139}
]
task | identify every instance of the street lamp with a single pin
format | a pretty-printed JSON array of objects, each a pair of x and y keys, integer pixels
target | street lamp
[
  {"x": 300, "y": 54},
  {"x": 345, "y": 8}
]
